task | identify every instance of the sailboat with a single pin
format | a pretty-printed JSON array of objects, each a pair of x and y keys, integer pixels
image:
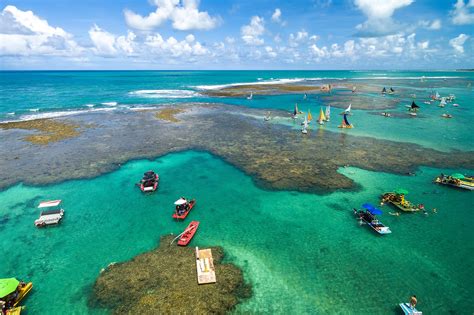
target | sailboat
[
  {"x": 250, "y": 96},
  {"x": 305, "y": 96},
  {"x": 328, "y": 112},
  {"x": 305, "y": 126},
  {"x": 345, "y": 123},
  {"x": 321, "y": 118},
  {"x": 295, "y": 111},
  {"x": 354, "y": 89},
  {"x": 443, "y": 102},
  {"x": 310, "y": 117},
  {"x": 391, "y": 91},
  {"x": 305, "y": 121},
  {"x": 413, "y": 108},
  {"x": 348, "y": 109},
  {"x": 267, "y": 117},
  {"x": 384, "y": 90}
]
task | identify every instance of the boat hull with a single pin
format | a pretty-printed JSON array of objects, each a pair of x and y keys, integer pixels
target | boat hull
[
  {"x": 23, "y": 292},
  {"x": 188, "y": 233}
]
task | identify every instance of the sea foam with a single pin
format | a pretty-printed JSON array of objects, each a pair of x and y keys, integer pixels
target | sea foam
[{"x": 165, "y": 93}]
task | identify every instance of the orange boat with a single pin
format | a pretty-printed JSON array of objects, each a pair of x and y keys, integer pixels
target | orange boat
[
  {"x": 183, "y": 207},
  {"x": 188, "y": 233}
]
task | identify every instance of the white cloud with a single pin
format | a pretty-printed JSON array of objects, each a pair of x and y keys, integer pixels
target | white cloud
[
  {"x": 462, "y": 13},
  {"x": 271, "y": 53},
  {"x": 276, "y": 16},
  {"x": 184, "y": 14},
  {"x": 458, "y": 43},
  {"x": 24, "y": 33},
  {"x": 379, "y": 16},
  {"x": 296, "y": 40},
  {"x": 433, "y": 25},
  {"x": 171, "y": 47},
  {"x": 251, "y": 33},
  {"x": 108, "y": 45}
]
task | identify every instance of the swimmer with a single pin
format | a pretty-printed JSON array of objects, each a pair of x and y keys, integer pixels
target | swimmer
[
  {"x": 394, "y": 213},
  {"x": 435, "y": 210}
]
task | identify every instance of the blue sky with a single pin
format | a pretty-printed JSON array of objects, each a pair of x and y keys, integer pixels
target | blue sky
[{"x": 258, "y": 34}]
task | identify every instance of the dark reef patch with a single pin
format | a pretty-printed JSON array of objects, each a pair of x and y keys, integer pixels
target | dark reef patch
[{"x": 164, "y": 281}]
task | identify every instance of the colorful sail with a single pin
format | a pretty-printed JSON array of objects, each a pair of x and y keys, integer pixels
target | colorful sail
[
  {"x": 328, "y": 112},
  {"x": 310, "y": 117},
  {"x": 345, "y": 123},
  {"x": 321, "y": 118}
]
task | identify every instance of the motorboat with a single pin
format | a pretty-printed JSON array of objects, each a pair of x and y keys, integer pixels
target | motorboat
[
  {"x": 52, "y": 215},
  {"x": 149, "y": 182},
  {"x": 397, "y": 199},
  {"x": 368, "y": 216},
  {"x": 12, "y": 292},
  {"x": 182, "y": 208},
  {"x": 456, "y": 180}
]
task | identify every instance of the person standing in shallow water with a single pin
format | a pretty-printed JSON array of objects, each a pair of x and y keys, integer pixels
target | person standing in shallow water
[{"x": 413, "y": 301}]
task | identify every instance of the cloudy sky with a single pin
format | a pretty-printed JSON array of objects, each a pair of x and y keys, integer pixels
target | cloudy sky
[{"x": 245, "y": 34}]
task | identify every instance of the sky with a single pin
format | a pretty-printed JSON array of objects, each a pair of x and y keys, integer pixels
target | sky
[{"x": 245, "y": 34}]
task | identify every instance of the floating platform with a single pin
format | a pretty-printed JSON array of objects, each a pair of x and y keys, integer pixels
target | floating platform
[
  {"x": 206, "y": 272},
  {"x": 408, "y": 310}
]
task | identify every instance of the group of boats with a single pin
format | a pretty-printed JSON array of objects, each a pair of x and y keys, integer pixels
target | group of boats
[
  {"x": 457, "y": 180},
  {"x": 324, "y": 117}
]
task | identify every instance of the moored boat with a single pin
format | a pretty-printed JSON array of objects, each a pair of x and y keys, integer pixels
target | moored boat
[
  {"x": 369, "y": 217},
  {"x": 188, "y": 233},
  {"x": 53, "y": 215},
  {"x": 397, "y": 199},
  {"x": 322, "y": 117},
  {"x": 12, "y": 291},
  {"x": 456, "y": 180},
  {"x": 328, "y": 113},
  {"x": 384, "y": 91},
  {"x": 183, "y": 207},
  {"x": 149, "y": 182},
  {"x": 345, "y": 123}
]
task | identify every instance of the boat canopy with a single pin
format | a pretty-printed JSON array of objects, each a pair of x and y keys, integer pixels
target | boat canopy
[
  {"x": 180, "y": 201},
  {"x": 371, "y": 208},
  {"x": 52, "y": 203},
  {"x": 458, "y": 176},
  {"x": 8, "y": 286},
  {"x": 401, "y": 191}
]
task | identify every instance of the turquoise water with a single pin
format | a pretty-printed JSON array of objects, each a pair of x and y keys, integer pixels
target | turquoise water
[
  {"x": 30, "y": 94},
  {"x": 303, "y": 253}
]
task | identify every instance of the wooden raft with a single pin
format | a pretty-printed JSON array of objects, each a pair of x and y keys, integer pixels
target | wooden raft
[{"x": 205, "y": 266}]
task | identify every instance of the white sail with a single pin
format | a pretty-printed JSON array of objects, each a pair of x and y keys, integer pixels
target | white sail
[
  {"x": 328, "y": 112},
  {"x": 348, "y": 109},
  {"x": 250, "y": 96}
]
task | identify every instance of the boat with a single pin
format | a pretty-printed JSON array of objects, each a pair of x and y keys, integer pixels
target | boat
[
  {"x": 384, "y": 91},
  {"x": 328, "y": 112},
  {"x": 310, "y": 117},
  {"x": 15, "y": 310},
  {"x": 442, "y": 103},
  {"x": 413, "y": 108},
  {"x": 321, "y": 118},
  {"x": 183, "y": 207},
  {"x": 446, "y": 115},
  {"x": 456, "y": 180},
  {"x": 12, "y": 291},
  {"x": 345, "y": 123},
  {"x": 386, "y": 114},
  {"x": 206, "y": 272},
  {"x": 451, "y": 98},
  {"x": 427, "y": 102},
  {"x": 397, "y": 199},
  {"x": 149, "y": 182},
  {"x": 304, "y": 130},
  {"x": 354, "y": 89},
  {"x": 408, "y": 310},
  {"x": 250, "y": 96},
  {"x": 368, "y": 216},
  {"x": 456, "y": 105},
  {"x": 391, "y": 91},
  {"x": 348, "y": 109},
  {"x": 295, "y": 111},
  {"x": 305, "y": 96},
  {"x": 188, "y": 233},
  {"x": 435, "y": 96},
  {"x": 52, "y": 215}
]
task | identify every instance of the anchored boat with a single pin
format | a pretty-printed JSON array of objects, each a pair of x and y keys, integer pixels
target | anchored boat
[
  {"x": 322, "y": 117},
  {"x": 369, "y": 217},
  {"x": 12, "y": 292},
  {"x": 397, "y": 199},
  {"x": 328, "y": 112},
  {"x": 345, "y": 123},
  {"x": 183, "y": 207},
  {"x": 52, "y": 215},
  {"x": 188, "y": 233},
  {"x": 149, "y": 182},
  {"x": 456, "y": 180}
]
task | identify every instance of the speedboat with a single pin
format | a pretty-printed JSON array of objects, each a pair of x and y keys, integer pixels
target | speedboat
[
  {"x": 183, "y": 207},
  {"x": 53, "y": 215},
  {"x": 368, "y": 216},
  {"x": 447, "y": 116},
  {"x": 188, "y": 233},
  {"x": 456, "y": 180},
  {"x": 149, "y": 182}
]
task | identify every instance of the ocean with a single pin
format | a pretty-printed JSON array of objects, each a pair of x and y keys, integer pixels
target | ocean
[{"x": 303, "y": 253}]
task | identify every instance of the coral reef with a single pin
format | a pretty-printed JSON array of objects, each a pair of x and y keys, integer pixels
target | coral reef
[
  {"x": 168, "y": 114},
  {"x": 164, "y": 281}
]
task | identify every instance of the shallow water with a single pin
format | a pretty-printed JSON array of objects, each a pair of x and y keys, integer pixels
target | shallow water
[{"x": 303, "y": 253}]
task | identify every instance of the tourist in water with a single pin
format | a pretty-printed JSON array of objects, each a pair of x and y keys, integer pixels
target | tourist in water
[
  {"x": 413, "y": 301},
  {"x": 394, "y": 213}
]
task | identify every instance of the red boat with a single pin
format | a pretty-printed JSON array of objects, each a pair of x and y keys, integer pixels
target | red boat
[
  {"x": 188, "y": 234},
  {"x": 183, "y": 207}
]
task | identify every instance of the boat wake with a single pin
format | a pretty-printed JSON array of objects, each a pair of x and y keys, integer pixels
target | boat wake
[{"x": 165, "y": 93}]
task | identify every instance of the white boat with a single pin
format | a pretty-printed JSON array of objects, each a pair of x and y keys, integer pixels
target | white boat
[
  {"x": 328, "y": 112},
  {"x": 442, "y": 103},
  {"x": 267, "y": 117},
  {"x": 52, "y": 215},
  {"x": 250, "y": 96},
  {"x": 304, "y": 130},
  {"x": 408, "y": 310},
  {"x": 305, "y": 96}
]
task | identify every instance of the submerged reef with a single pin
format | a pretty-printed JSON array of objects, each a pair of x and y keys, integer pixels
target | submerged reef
[
  {"x": 262, "y": 89},
  {"x": 164, "y": 280},
  {"x": 169, "y": 114},
  {"x": 275, "y": 155},
  {"x": 47, "y": 130}
]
